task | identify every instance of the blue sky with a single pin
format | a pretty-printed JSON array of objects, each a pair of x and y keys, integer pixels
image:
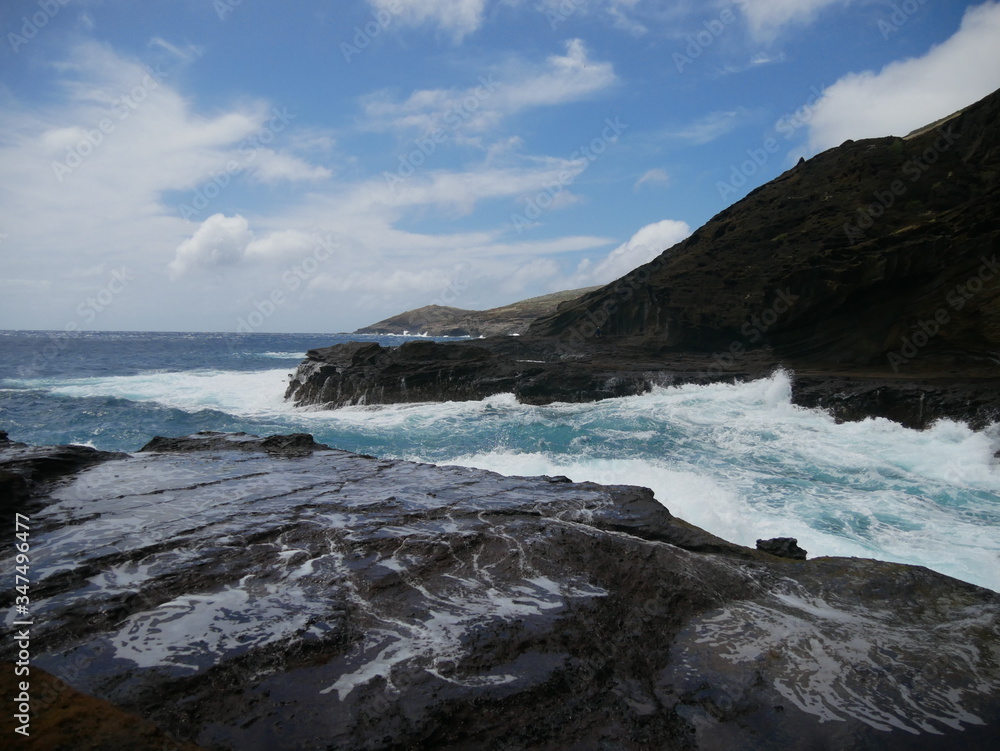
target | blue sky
[{"x": 316, "y": 166}]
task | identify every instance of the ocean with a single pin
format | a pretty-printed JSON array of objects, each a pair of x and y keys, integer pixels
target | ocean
[{"x": 739, "y": 460}]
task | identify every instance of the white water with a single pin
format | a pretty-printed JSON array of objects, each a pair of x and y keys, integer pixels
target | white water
[{"x": 739, "y": 460}]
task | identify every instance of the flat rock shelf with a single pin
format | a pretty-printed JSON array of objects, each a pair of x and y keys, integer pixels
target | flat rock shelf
[{"x": 246, "y": 593}]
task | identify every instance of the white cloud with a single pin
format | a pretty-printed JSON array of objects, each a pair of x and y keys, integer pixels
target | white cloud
[
  {"x": 33, "y": 284},
  {"x": 189, "y": 53},
  {"x": 119, "y": 206},
  {"x": 642, "y": 247},
  {"x": 623, "y": 14},
  {"x": 711, "y": 126},
  {"x": 219, "y": 241},
  {"x": 270, "y": 167},
  {"x": 623, "y": 20},
  {"x": 535, "y": 271},
  {"x": 378, "y": 284},
  {"x": 284, "y": 245},
  {"x": 563, "y": 78},
  {"x": 653, "y": 177},
  {"x": 95, "y": 174},
  {"x": 908, "y": 94},
  {"x": 459, "y": 18},
  {"x": 767, "y": 17},
  {"x": 519, "y": 86}
]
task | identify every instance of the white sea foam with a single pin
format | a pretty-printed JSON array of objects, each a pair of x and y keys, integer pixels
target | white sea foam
[
  {"x": 245, "y": 394},
  {"x": 737, "y": 459}
]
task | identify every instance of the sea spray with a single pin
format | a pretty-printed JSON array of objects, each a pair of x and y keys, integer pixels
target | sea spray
[{"x": 738, "y": 459}]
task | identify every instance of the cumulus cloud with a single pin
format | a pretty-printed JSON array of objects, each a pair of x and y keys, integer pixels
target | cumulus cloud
[
  {"x": 228, "y": 242},
  {"x": 908, "y": 94},
  {"x": 396, "y": 253},
  {"x": 219, "y": 241},
  {"x": 642, "y": 247},
  {"x": 284, "y": 245}
]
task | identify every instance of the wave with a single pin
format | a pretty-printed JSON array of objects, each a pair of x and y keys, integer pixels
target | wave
[
  {"x": 283, "y": 355},
  {"x": 739, "y": 460},
  {"x": 239, "y": 393}
]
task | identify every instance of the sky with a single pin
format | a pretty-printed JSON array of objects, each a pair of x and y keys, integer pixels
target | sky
[{"x": 316, "y": 166}]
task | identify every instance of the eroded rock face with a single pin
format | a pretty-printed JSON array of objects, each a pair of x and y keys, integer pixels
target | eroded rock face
[
  {"x": 877, "y": 247},
  {"x": 535, "y": 372},
  {"x": 245, "y": 599},
  {"x": 542, "y": 371}
]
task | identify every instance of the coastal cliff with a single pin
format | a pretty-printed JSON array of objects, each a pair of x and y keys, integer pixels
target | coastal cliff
[
  {"x": 871, "y": 272},
  {"x": 238, "y": 593},
  {"x": 876, "y": 248}
]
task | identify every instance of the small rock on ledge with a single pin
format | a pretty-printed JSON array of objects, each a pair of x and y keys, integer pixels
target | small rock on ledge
[{"x": 783, "y": 547}]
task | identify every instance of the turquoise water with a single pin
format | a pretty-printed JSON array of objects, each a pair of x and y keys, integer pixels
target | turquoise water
[{"x": 739, "y": 460}]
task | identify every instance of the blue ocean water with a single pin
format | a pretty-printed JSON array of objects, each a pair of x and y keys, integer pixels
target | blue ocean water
[{"x": 738, "y": 460}]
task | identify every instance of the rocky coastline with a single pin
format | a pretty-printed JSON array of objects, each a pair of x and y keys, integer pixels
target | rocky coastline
[
  {"x": 539, "y": 371},
  {"x": 868, "y": 272},
  {"x": 235, "y": 592}
]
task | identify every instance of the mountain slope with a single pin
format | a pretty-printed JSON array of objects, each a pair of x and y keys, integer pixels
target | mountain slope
[
  {"x": 874, "y": 251},
  {"x": 438, "y": 320}
]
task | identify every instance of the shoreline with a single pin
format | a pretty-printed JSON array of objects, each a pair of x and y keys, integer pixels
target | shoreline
[{"x": 542, "y": 371}]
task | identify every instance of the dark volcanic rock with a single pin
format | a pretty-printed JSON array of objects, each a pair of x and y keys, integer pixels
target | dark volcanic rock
[
  {"x": 297, "y": 444},
  {"x": 915, "y": 404},
  {"x": 536, "y": 371},
  {"x": 365, "y": 373},
  {"x": 895, "y": 315},
  {"x": 783, "y": 547},
  {"x": 242, "y": 600},
  {"x": 803, "y": 265},
  {"x": 542, "y": 371},
  {"x": 25, "y": 469}
]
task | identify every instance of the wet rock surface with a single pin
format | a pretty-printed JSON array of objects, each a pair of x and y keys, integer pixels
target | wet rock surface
[
  {"x": 241, "y": 598},
  {"x": 542, "y": 371},
  {"x": 535, "y": 371},
  {"x": 24, "y": 469}
]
